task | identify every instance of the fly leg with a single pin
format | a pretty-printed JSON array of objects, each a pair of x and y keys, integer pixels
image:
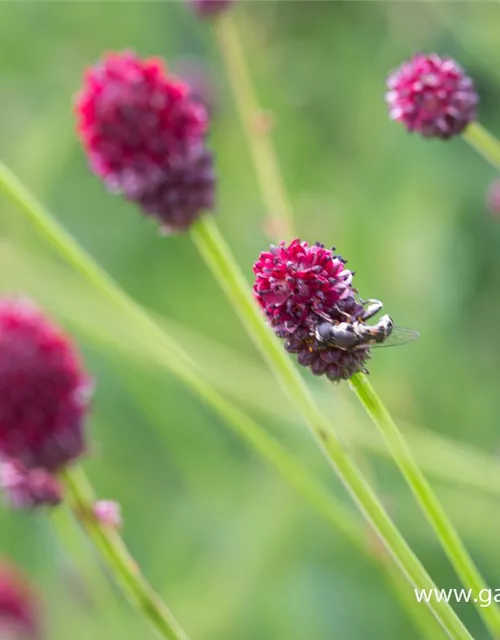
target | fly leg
[{"x": 372, "y": 307}]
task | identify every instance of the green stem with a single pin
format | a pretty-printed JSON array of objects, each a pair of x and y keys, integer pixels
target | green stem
[
  {"x": 483, "y": 142},
  {"x": 179, "y": 364},
  {"x": 124, "y": 569},
  {"x": 446, "y": 533},
  {"x": 275, "y": 196},
  {"x": 260, "y": 143},
  {"x": 218, "y": 257}
]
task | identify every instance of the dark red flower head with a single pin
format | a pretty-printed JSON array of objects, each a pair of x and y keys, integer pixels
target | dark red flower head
[
  {"x": 432, "y": 96},
  {"x": 144, "y": 133},
  {"x": 43, "y": 388},
  {"x": 210, "y": 8},
  {"x": 19, "y": 606},
  {"x": 299, "y": 286}
]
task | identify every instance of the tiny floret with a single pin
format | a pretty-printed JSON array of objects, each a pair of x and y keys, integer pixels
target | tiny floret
[
  {"x": 108, "y": 513},
  {"x": 299, "y": 286},
  {"x": 144, "y": 134},
  {"x": 432, "y": 95},
  {"x": 44, "y": 390}
]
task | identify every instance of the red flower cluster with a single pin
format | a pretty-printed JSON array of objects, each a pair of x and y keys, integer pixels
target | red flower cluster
[
  {"x": 19, "y": 606},
  {"x": 299, "y": 286},
  {"x": 44, "y": 394},
  {"x": 432, "y": 96},
  {"x": 292, "y": 282},
  {"x": 144, "y": 134}
]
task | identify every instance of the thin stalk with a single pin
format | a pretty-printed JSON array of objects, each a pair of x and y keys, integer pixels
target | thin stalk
[
  {"x": 271, "y": 183},
  {"x": 483, "y": 142},
  {"x": 122, "y": 566},
  {"x": 223, "y": 265},
  {"x": 263, "y": 152},
  {"x": 179, "y": 364},
  {"x": 217, "y": 256},
  {"x": 426, "y": 625},
  {"x": 448, "y": 536},
  {"x": 259, "y": 141}
]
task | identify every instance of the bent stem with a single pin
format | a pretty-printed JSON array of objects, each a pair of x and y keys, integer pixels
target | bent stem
[
  {"x": 446, "y": 533},
  {"x": 156, "y": 340},
  {"x": 258, "y": 138},
  {"x": 122, "y": 566},
  {"x": 483, "y": 142},
  {"x": 219, "y": 259},
  {"x": 221, "y": 262}
]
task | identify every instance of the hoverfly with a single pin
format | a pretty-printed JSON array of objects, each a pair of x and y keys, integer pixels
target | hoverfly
[{"x": 356, "y": 335}]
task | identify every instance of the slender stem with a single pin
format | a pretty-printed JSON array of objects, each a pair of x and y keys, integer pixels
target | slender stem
[
  {"x": 217, "y": 255},
  {"x": 489, "y": 147},
  {"x": 446, "y": 533},
  {"x": 422, "y": 619},
  {"x": 484, "y": 143},
  {"x": 263, "y": 152},
  {"x": 274, "y": 193},
  {"x": 259, "y": 141},
  {"x": 179, "y": 364},
  {"x": 124, "y": 569}
]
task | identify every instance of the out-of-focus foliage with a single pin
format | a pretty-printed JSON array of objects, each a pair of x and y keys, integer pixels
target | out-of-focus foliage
[{"x": 236, "y": 553}]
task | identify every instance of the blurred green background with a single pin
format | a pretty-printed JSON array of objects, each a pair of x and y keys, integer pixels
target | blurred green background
[{"x": 236, "y": 553}]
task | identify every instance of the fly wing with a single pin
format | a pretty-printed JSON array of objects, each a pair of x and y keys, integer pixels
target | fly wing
[{"x": 399, "y": 335}]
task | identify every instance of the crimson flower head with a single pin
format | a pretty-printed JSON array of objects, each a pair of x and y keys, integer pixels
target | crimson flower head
[
  {"x": 19, "y": 606},
  {"x": 44, "y": 390},
  {"x": 298, "y": 286},
  {"x": 210, "y": 8},
  {"x": 295, "y": 282},
  {"x": 144, "y": 134},
  {"x": 432, "y": 95}
]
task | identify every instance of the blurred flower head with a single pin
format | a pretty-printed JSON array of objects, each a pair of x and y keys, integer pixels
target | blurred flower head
[
  {"x": 432, "y": 95},
  {"x": 44, "y": 390},
  {"x": 299, "y": 286},
  {"x": 210, "y": 8},
  {"x": 29, "y": 488},
  {"x": 19, "y": 606},
  {"x": 144, "y": 134}
]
